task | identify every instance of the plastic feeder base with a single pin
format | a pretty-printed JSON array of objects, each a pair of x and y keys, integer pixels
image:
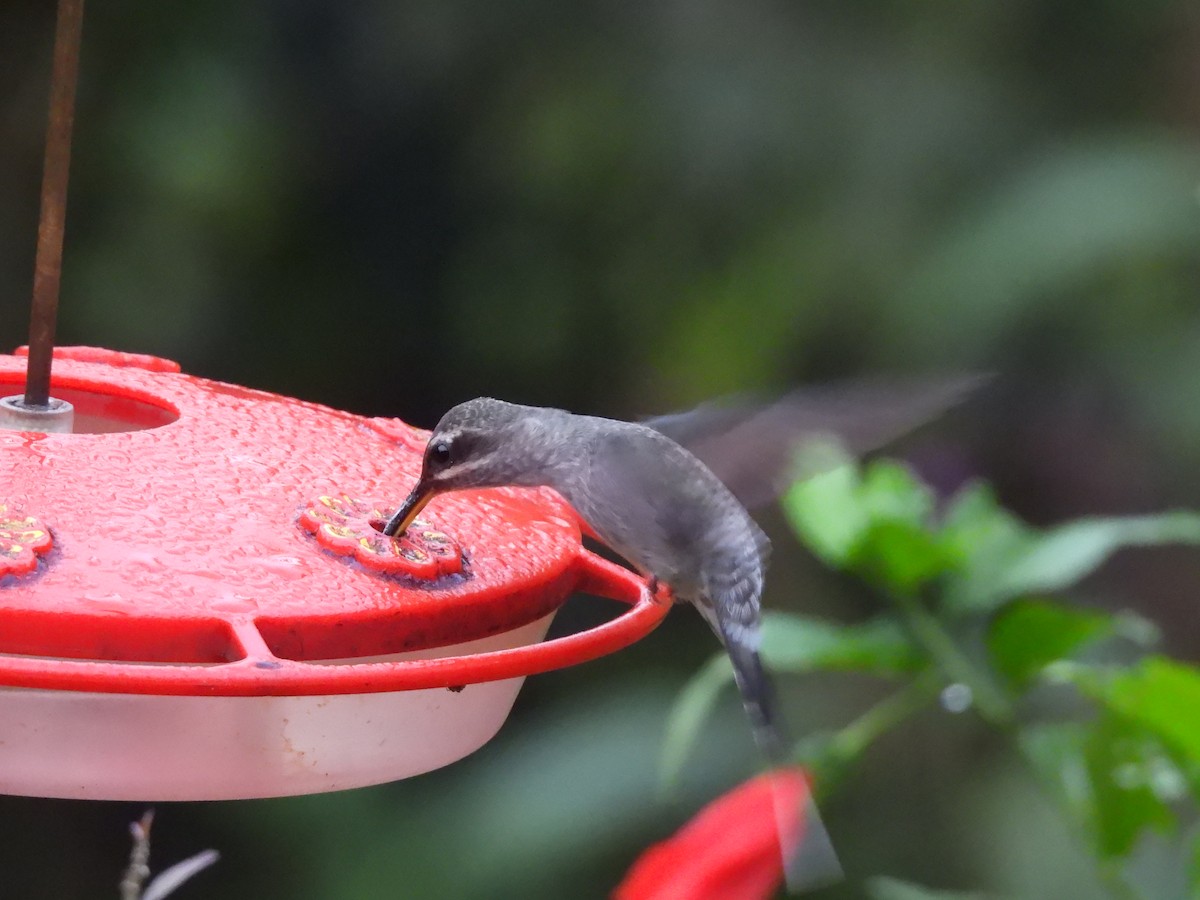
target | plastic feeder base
[{"x": 145, "y": 747}]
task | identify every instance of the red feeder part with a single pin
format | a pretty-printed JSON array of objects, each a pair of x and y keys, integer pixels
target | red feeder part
[{"x": 196, "y": 601}]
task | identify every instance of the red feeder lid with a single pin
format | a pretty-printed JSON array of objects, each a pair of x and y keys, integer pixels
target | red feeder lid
[{"x": 230, "y": 538}]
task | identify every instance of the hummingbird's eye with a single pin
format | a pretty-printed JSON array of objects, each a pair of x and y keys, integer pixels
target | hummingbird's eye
[{"x": 439, "y": 453}]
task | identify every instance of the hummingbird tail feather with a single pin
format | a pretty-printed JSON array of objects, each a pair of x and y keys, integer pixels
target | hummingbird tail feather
[
  {"x": 809, "y": 860},
  {"x": 758, "y": 694}
]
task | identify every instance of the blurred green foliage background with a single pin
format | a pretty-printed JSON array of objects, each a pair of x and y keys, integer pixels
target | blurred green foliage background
[{"x": 622, "y": 208}]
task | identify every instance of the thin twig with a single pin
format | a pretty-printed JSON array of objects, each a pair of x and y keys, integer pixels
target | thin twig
[
  {"x": 166, "y": 881},
  {"x": 853, "y": 739},
  {"x": 138, "y": 869}
]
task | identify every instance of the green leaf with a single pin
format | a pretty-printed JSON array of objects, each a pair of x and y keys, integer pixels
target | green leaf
[
  {"x": 1057, "y": 754},
  {"x": 1161, "y": 695},
  {"x": 791, "y": 643},
  {"x": 875, "y": 523},
  {"x": 894, "y": 889},
  {"x": 825, "y": 512},
  {"x": 890, "y": 492},
  {"x": 1002, "y": 559},
  {"x": 974, "y": 516},
  {"x": 980, "y": 540},
  {"x": 1113, "y": 776},
  {"x": 1062, "y": 556},
  {"x": 901, "y": 556},
  {"x": 1030, "y": 634},
  {"x": 1128, "y": 771}
]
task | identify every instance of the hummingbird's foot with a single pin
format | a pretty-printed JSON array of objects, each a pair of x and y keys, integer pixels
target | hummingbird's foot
[{"x": 652, "y": 585}]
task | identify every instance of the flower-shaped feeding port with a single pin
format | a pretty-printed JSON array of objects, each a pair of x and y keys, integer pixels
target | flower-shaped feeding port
[
  {"x": 23, "y": 539},
  {"x": 227, "y": 623},
  {"x": 346, "y": 526}
]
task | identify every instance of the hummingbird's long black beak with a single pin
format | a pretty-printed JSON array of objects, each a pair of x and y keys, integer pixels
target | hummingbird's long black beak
[{"x": 409, "y": 509}]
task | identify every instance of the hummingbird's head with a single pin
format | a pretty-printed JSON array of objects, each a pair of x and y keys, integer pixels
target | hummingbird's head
[{"x": 477, "y": 444}]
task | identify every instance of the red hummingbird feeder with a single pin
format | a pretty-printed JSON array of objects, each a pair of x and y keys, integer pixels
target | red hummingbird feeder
[{"x": 196, "y": 601}]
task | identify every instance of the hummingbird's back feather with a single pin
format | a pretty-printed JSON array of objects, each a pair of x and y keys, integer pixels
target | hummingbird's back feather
[{"x": 658, "y": 506}]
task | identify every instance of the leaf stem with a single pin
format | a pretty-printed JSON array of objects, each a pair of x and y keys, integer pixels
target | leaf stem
[
  {"x": 954, "y": 664},
  {"x": 854, "y": 738}
]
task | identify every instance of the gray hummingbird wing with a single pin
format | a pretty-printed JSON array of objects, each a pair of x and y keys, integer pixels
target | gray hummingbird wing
[{"x": 750, "y": 445}]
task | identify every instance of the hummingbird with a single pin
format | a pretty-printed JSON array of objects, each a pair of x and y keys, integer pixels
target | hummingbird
[{"x": 672, "y": 495}]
